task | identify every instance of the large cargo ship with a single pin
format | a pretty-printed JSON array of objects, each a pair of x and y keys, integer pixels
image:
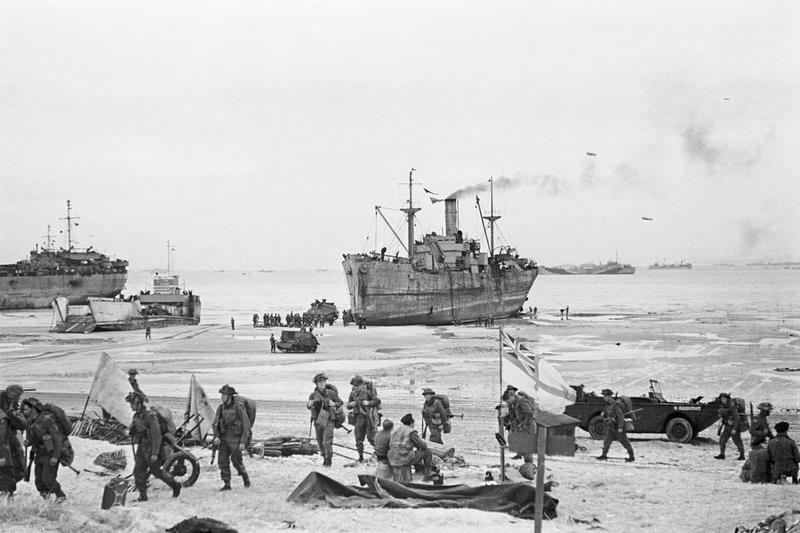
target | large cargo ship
[
  {"x": 72, "y": 273},
  {"x": 444, "y": 279}
]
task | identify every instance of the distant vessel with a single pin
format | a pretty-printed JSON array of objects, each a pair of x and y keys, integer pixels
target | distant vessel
[
  {"x": 167, "y": 305},
  {"x": 611, "y": 267},
  {"x": 671, "y": 266},
  {"x": 70, "y": 273},
  {"x": 444, "y": 279}
]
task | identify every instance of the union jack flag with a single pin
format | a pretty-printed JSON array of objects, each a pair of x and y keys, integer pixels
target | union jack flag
[{"x": 533, "y": 375}]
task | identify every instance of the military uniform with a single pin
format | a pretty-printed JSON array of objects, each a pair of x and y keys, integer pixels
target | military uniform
[
  {"x": 434, "y": 414},
  {"x": 521, "y": 415},
  {"x": 48, "y": 442},
  {"x": 783, "y": 457},
  {"x": 320, "y": 403},
  {"x": 146, "y": 435},
  {"x": 12, "y": 455},
  {"x": 759, "y": 428},
  {"x": 403, "y": 442},
  {"x": 614, "y": 418},
  {"x": 756, "y": 468},
  {"x": 232, "y": 428},
  {"x": 365, "y": 417},
  {"x": 731, "y": 428}
]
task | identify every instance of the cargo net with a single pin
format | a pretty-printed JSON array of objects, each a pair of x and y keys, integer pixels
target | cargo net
[
  {"x": 114, "y": 461},
  {"x": 107, "y": 429},
  {"x": 284, "y": 447}
]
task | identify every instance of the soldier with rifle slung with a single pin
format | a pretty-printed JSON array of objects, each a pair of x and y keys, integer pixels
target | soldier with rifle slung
[
  {"x": 322, "y": 403},
  {"x": 364, "y": 404},
  {"x": 730, "y": 427},
  {"x": 146, "y": 433},
  {"x": 759, "y": 427},
  {"x": 47, "y": 444},
  {"x": 12, "y": 456},
  {"x": 614, "y": 419}
]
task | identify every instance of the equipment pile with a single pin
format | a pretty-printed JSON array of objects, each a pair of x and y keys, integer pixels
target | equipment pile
[
  {"x": 284, "y": 447},
  {"x": 785, "y": 523},
  {"x": 110, "y": 430}
]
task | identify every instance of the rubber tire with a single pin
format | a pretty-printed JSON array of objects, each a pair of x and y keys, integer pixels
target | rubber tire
[
  {"x": 679, "y": 430},
  {"x": 194, "y": 465},
  {"x": 596, "y": 427}
]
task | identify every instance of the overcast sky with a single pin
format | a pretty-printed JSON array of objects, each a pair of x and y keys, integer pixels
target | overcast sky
[{"x": 256, "y": 134}]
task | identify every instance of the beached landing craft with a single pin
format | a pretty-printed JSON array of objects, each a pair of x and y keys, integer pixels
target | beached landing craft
[
  {"x": 444, "y": 279},
  {"x": 71, "y": 273}
]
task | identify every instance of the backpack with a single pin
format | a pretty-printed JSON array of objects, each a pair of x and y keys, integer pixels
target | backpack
[
  {"x": 744, "y": 422},
  {"x": 628, "y": 414},
  {"x": 447, "y": 426},
  {"x": 249, "y": 407},
  {"x": 338, "y": 415},
  {"x": 60, "y": 417},
  {"x": 67, "y": 453},
  {"x": 165, "y": 421}
]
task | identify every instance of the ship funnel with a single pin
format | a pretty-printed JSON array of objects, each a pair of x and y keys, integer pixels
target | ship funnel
[{"x": 450, "y": 216}]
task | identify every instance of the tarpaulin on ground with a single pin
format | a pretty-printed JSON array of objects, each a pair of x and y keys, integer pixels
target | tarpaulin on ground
[{"x": 516, "y": 499}]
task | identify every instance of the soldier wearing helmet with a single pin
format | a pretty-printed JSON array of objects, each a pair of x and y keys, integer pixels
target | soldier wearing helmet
[
  {"x": 434, "y": 415},
  {"x": 730, "y": 427},
  {"x": 231, "y": 433},
  {"x": 12, "y": 456},
  {"x": 48, "y": 443},
  {"x": 759, "y": 428},
  {"x": 364, "y": 404},
  {"x": 145, "y": 431},
  {"x": 322, "y": 403}
]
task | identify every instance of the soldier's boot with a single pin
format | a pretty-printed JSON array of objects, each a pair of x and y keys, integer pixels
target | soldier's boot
[
  {"x": 360, "y": 454},
  {"x": 60, "y": 496},
  {"x": 327, "y": 462},
  {"x": 629, "y": 459},
  {"x": 246, "y": 479},
  {"x": 741, "y": 456},
  {"x": 176, "y": 488},
  {"x": 602, "y": 457},
  {"x": 226, "y": 486},
  {"x": 720, "y": 456},
  {"x": 142, "y": 495}
]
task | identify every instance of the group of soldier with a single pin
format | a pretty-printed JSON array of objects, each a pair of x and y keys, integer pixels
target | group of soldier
[
  {"x": 292, "y": 320},
  {"x": 397, "y": 447},
  {"x": 49, "y": 445}
]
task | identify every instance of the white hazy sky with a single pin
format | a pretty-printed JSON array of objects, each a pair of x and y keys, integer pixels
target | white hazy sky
[{"x": 256, "y": 134}]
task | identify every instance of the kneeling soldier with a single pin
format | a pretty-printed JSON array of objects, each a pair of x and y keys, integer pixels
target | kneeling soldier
[
  {"x": 231, "y": 433},
  {"x": 146, "y": 433},
  {"x": 46, "y": 440}
]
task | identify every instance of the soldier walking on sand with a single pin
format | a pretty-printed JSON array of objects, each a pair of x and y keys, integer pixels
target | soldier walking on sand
[
  {"x": 322, "y": 403},
  {"x": 730, "y": 427},
  {"x": 614, "y": 419},
  {"x": 272, "y": 343},
  {"x": 146, "y": 434},
  {"x": 147, "y": 333},
  {"x": 231, "y": 433},
  {"x": 48, "y": 444},
  {"x": 12, "y": 456},
  {"x": 434, "y": 415},
  {"x": 364, "y": 404}
]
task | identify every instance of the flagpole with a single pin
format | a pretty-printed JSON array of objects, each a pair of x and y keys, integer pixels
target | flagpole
[
  {"x": 501, "y": 429},
  {"x": 541, "y": 448}
]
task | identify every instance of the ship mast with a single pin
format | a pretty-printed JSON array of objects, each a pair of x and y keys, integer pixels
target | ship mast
[
  {"x": 410, "y": 212},
  {"x": 170, "y": 249},
  {"x": 49, "y": 241},
  {"x": 492, "y": 217},
  {"x": 69, "y": 220}
]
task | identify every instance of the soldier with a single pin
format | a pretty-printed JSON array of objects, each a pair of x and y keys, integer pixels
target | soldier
[
  {"x": 756, "y": 468},
  {"x": 401, "y": 447},
  {"x": 255, "y": 320},
  {"x": 272, "y": 343},
  {"x": 231, "y": 433},
  {"x": 47, "y": 443},
  {"x": 382, "y": 440},
  {"x": 364, "y": 404},
  {"x": 783, "y": 455},
  {"x": 145, "y": 431},
  {"x": 614, "y": 419},
  {"x": 233, "y": 324},
  {"x": 434, "y": 414},
  {"x": 322, "y": 403},
  {"x": 521, "y": 415},
  {"x": 760, "y": 425},
  {"x": 12, "y": 456},
  {"x": 730, "y": 427}
]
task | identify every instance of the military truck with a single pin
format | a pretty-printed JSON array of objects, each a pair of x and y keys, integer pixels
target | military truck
[
  {"x": 680, "y": 421},
  {"x": 323, "y": 310},
  {"x": 297, "y": 342}
]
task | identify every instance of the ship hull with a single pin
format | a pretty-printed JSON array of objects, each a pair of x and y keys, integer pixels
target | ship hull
[
  {"x": 395, "y": 294},
  {"x": 30, "y": 292}
]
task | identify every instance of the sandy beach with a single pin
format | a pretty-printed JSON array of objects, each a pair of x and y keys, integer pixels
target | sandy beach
[{"x": 670, "y": 487}]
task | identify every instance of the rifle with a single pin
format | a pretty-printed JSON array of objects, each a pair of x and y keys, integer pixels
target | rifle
[
  {"x": 27, "y": 476},
  {"x": 214, "y": 448},
  {"x": 424, "y": 428},
  {"x": 751, "y": 415}
]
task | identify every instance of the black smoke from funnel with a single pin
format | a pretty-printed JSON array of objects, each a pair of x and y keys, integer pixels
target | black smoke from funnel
[{"x": 547, "y": 183}]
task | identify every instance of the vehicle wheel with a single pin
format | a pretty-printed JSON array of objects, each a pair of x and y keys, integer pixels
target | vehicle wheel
[
  {"x": 184, "y": 467},
  {"x": 313, "y": 349},
  {"x": 679, "y": 430},
  {"x": 596, "y": 427}
]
